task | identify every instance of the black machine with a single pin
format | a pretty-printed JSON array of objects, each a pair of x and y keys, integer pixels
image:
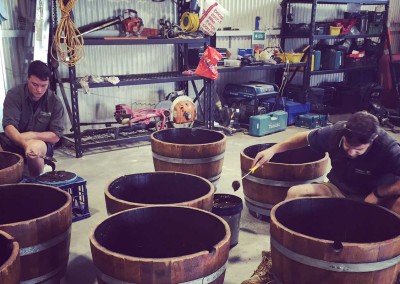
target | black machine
[{"x": 247, "y": 99}]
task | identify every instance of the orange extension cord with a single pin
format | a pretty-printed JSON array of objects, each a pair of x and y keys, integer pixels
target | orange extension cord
[{"x": 68, "y": 41}]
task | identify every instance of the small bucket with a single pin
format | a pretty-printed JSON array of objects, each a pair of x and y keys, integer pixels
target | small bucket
[
  {"x": 334, "y": 30},
  {"x": 229, "y": 207}
]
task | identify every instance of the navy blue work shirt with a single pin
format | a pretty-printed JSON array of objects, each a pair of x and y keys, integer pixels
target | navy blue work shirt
[{"x": 362, "y": 174}]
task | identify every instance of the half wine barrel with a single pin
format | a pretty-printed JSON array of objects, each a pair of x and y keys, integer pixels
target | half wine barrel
[
  {"x": 9, "y": 259},
  {"x": 334, "y": 240},
  {"x": 161, "y": 244},
  {"x": 195, "y": 151},
  {"x": 269, "y": 184},
  {"x": 39, "y": 218},
  {"x": 159, "y": 188},
  {"x": 11, "y": 167}
]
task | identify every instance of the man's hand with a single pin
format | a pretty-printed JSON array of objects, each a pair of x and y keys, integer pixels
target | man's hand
[
  {"x": 31, "y": 150},
  {"x": 263, "y": 157},
  {"x": 372, "y": 199}
]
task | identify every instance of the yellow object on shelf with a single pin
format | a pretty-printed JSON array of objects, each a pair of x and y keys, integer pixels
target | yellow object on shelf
[
  {"x": 334, "y": 30},
  {"x": 291, "y": 57}
]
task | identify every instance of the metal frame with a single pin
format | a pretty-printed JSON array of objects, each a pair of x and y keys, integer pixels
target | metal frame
[
  {"x": 139, "y": 79},
  {"x": 312, "y": 37}
]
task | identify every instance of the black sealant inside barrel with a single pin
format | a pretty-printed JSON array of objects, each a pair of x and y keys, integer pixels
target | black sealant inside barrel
[
  {"x": 22, "y": 202},
  {"x": 338, "y": 219},
  {"x": 159, "y": 188},
  {"x": 188, "y": 136},
  {"x": 297, "y": 156},
  {"x": 6, "y": 248},
  {"x": 160, "y": 232},
  {"x": 7, "y": 160}
]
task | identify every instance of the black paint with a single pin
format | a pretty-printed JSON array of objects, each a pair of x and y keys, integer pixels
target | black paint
[
  {"x": 226, "y": 204},
  {"x": 339, "y": 220},
  {"x": 22, "y": 202},
  {"x": 160, "y": 232},
  {"x": 6, "y": 247},
  {"x": 188, "y": 136},
  {"x": 235, "y": 185},
  {"x": 159, "y": 188},
  {"x": 297, "y": 156},
  {"x": 7, "y": 160}
]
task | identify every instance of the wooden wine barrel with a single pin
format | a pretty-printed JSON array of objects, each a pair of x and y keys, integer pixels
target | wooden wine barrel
[
  {"x": 269, "y": 184},
  {"x": 195, "y": 151},
  {"x": 159, "y": 245},
  {"x": 11, "y": 167},
  {"x": 9, "y": 259},
  {"x": 159, "y": 188},
  {"x": 334, "y": 240},
  {"x": 39, "y": 218}
]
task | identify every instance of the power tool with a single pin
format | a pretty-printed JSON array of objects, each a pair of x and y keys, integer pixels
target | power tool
[
  {"x": 125, "y": 115},
  {"x": 132, "y": 24},
  {"x": 181, "y": 108}
]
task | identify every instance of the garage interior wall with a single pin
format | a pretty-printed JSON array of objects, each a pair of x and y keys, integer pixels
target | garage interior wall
[{"x": 98, "y": 106}]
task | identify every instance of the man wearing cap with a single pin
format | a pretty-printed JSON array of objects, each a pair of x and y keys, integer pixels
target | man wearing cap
[
  {"x": 365, "y": 161},
  {"x": 33, "y": 118}
]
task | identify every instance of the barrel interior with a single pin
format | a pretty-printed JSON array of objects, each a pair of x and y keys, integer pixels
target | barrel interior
[
  {"x": 22, "y": 202},
  {"x": 188, "y": 136},
  {"x": 297, "y": 156},
  {"x": 160, "y": 232},
  {"x": 8, "y": 159},
  {"x": 338, "y": 219},
  {"x": 159, "y": 188},
  {"x": 6, "y": 248}
]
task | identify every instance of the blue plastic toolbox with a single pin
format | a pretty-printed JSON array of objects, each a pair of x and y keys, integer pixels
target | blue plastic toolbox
[
  {"x": 311, "y": 120},
  {"x": 264, "y": 124},
  {"x": 292, "y": 108}
]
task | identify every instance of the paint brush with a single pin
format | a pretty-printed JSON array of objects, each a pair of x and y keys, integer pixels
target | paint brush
[{"x": 236, "y": 183}]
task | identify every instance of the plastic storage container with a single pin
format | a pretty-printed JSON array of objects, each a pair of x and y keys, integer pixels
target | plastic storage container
[
  {"x": 292, "y": 108},
  {"x": 264, "y": 124}
]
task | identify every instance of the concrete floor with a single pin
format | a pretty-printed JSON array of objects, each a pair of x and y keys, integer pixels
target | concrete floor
[{"x": 101, "y": 168}]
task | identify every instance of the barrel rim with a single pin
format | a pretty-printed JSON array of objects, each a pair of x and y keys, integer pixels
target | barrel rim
[
  {"x": 223, "y": 140},
  {"x": 325, "y": 158},
  {"x": 19, "y": 163},
  {"x": 323, "y": 241},
  {"x": 112, "y": 197},
  {"x": 28, "y": 222},
  {"x": 99, "y": 247},
  {"x": 14, "y": 253},
  {"x": 21, "y": 159}
]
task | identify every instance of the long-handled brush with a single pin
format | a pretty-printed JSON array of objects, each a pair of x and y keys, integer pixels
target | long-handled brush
[{"x": 236, "y": 183}]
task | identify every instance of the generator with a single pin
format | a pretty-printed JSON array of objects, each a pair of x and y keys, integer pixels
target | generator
[
  {"x": 247, "y": 98},
  {"x": 264, "y": 124}
]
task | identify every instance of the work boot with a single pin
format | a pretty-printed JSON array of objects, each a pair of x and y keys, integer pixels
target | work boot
[{"x": 262, "y": 275}]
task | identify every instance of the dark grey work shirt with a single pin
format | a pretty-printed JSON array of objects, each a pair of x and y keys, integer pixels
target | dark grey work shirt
[
  {"x": 18, "y": 111},
  {"x": 362, "y": 174}
]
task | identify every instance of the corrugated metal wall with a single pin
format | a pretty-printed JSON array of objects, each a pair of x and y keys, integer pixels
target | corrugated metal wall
[{"x": 109, "y": 60}]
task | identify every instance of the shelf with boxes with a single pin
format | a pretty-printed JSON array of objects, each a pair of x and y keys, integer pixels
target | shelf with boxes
[
  {"x": 360, "y": 35},
  {"x": 347, "y": 46}
]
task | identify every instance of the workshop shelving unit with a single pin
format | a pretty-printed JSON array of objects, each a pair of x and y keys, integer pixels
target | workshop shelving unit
[
  {"x": 314, "y": 37},
  {"x": 182, "y": 45}
]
